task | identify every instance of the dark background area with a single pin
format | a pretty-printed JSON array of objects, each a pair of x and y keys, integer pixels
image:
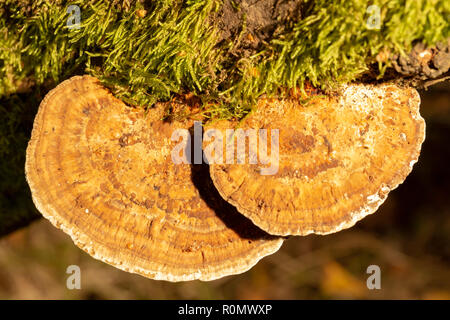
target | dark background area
[{"x": 408, "y": 237}]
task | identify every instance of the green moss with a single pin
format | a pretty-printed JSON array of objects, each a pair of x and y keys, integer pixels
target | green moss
[
  {"x": 173, "y": 48},
  {"x": 332, "y": 44},
  {"x": 142, "y": 59}
]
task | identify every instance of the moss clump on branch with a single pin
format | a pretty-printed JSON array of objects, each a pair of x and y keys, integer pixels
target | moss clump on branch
[
  {"x": 333, "y": 45},
  {"x": 176, "y": 47},
  {"x": 144, "y": 59}
]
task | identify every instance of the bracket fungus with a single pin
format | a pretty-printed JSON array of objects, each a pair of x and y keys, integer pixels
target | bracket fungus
[
  {"x": 339, "y": 156},
  {"x": 102, "y": 172}
]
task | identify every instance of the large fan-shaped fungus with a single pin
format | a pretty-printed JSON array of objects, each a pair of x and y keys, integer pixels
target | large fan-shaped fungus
[
  {"x": 338, "y": 159},
  {"x": 103, "y": 173}
]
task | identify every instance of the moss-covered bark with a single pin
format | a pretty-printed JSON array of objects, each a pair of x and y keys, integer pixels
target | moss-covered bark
[{"x": 148, "y": 51}]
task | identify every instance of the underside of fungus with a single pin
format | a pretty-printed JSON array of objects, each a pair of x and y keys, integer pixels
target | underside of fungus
[
  {"x": 338, "y": 158},
  {"x": 103, "y": 173}
]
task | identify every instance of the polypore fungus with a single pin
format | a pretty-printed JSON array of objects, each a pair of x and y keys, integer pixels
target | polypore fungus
[
  {"x": 338, "y": 157},
  {"x": 103, "y": 173}
]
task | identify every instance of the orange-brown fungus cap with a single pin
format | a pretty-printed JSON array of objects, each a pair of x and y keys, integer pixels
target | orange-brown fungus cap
[
  {"x": 103, "y": 173},
  {"x": 338, "y": 159}
]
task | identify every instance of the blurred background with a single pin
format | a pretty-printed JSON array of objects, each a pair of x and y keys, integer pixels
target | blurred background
[{"x": 408, "y": 238}]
